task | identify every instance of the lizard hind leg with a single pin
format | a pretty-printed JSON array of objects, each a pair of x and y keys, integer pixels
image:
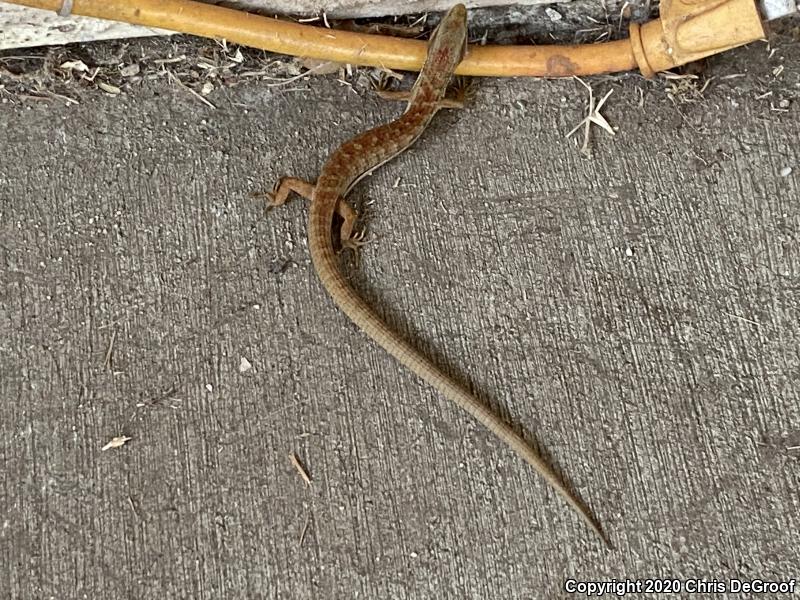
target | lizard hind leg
[{"x": 349, "y": 238}]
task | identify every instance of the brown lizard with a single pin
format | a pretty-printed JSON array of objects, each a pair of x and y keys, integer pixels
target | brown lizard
[{"x": 347, "y": 165}]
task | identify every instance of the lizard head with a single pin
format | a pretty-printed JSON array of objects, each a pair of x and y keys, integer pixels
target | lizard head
[{"x": 446, "y": 48}]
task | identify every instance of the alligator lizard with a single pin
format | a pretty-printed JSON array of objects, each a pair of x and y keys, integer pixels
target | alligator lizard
[{"x": 346, "y": 166}]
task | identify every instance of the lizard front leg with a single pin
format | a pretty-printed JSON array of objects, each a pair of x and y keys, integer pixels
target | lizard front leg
[
  {"x": 459, "y": 93},
  {"x": 349, "y": 238}
]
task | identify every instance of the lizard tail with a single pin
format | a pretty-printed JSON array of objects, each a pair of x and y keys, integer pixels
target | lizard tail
[{"x": 365, "y": 318}]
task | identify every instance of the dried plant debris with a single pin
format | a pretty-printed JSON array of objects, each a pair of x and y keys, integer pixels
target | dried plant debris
[
  {"x": 116, "y": 442},
  {"x": 113, "y": 68},
  {"x": 198, "y": 67},
  {"x": 684, "y": 88},
  {"x": 593, "y": 116},
  {"x": 192, "y": 65},
  {"x": 303, "y": 531},
  {"x": 299, "y": 468}
]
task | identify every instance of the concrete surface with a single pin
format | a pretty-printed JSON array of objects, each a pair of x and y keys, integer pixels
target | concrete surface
[{"x": 636, "y": 314}]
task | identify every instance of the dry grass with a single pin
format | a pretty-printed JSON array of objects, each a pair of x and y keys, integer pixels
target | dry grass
[
  {"x": 593, "y": 117},
  {"x": 114, "y": 68}
]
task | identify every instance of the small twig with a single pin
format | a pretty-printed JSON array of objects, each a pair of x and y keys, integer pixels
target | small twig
[
  {"x": 167, "y": 61},
  {"x": 170, "y": 395},
  {"x": 133, "y": 508},
  {"x": 303, "y": 473},
  {"x": 705, "y": 85},
  {"x": 190, "y": 90},
  {"x": 587, "y": 130},
  {"x": 110, "y": 351},
  {"x": 745, "y": 319},
  {"x": 303, "y": 533},
  {"x": 22, "y": 57},
  {"x": 310, "y": 71},
  {"x": 625, "y": 5},
  {"x": 66, "y": 99},
  {"x": 49, "y": 98}
]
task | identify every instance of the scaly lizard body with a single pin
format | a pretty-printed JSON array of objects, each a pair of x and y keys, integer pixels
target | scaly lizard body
[{"x": 360, "y": 156}]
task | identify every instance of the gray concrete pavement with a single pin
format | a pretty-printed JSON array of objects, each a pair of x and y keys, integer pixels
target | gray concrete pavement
[{"x": 635, "y": 314}]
